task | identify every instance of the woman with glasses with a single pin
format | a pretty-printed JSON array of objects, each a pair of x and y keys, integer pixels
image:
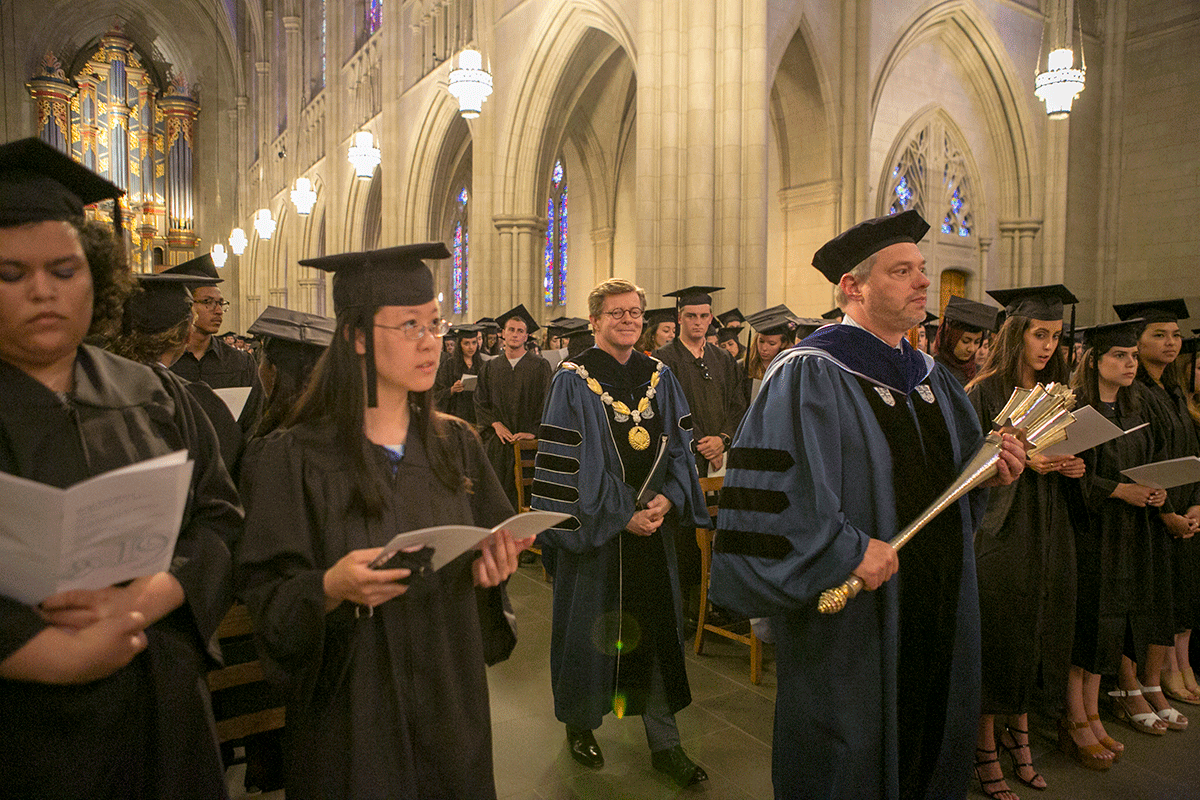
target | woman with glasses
[{"x": 385, "y": 670}]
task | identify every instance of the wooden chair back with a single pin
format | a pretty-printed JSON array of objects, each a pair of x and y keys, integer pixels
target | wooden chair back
[{"x": 524, "y": 455}]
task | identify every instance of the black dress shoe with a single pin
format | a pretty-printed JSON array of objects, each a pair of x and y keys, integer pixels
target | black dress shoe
[
  {"x": 584, "y": 748},
  {"x": 675, "y": 764}
]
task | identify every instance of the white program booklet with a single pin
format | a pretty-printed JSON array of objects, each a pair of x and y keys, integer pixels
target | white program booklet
[
  {"x": 107, "y": 529},
  {"x": 1166, "y": 474},
  {"x": 470, "y": 382},
  {"x": 451, "y": 541},
  {"x": 1090, "y": 428},
  {"x": 234, "y": 397}
]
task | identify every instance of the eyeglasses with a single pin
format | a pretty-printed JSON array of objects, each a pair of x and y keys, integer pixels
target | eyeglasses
[
  {"x": 212, "y": 303},
  {"x": 618, "y": 314},
  {"x": 700, "y": 363},
  {"x": 416, "y": 333}
]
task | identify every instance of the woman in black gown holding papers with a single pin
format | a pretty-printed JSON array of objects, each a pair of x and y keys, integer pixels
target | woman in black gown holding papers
[
  {"x": 387, "y": 691},
  {"x": 103, "y": 690}
]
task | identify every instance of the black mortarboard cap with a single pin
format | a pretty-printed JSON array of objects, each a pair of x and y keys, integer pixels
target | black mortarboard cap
[
  {"x": 39, "y": 183},
  {"x": 1190, "y": 345},
  {"x": 201, "y": 266},
  {"x": 733, "y": 314},
  {"x": 487, "y": 324},
  {"x": 712, "y": 330},
  {"x": 1036, "y": 302},
  {"x": 520, "y": 312},
  {"x": 806, "y": 326},
  {"x": 1154, "y": 310},
  {"x": 1102, "y": 338},
  {"x": 657, "y": 316},
  {"x": 573, "y": 327},
  {"x": 969, "y": 314},
  {"x": 693, "y": 295},
  {"x": 773, "y": 321},
  {"x": 465, "y": 331},
  {"x": 849, "y": 249},
  {"x": 727, "y": 334},
  {"x": 393, "y": 276},
  {"x": 833, "y": 313},
  {"x": 163, "y": 302},
  {"x": 294, "y": 326}
]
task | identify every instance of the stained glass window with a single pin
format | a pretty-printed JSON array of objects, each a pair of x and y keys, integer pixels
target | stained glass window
[
  {"x": 932, "y": 177},
  {"x": 554, "y": 259},
  {"x": 374, "y": 15},
  {"x": 461, "y": 252}
]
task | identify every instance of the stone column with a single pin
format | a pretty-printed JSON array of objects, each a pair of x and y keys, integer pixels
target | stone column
[
  {"x": 515, "y": 284},
  {"x": 602, "y": 249},
  {"x": 982, "y": 285}
]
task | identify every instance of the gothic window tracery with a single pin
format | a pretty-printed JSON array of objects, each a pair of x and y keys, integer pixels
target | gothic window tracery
[
  {"x": 461, "y": 252},
  {"x": 554, "y": 280}
]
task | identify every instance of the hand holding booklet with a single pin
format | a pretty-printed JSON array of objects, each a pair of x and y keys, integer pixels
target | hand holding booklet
[
  {"x": 450, "y": 541},
  {"x": 1166, "y": 474},
  {"x": 108, "y": 529}
]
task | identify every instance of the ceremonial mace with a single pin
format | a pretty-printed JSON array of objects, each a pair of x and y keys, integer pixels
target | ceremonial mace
[{"x": 1038, "y": 417}]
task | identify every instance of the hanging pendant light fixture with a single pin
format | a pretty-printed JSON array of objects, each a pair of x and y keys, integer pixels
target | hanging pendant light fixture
[
  {"x": 1061, "y": 83},
  {"x": 470, "y": 83},
  {"x": 364, "y": 155},
  {"x": 238, "y": 241},
  {"x": 219, "y": 255},
  {"x": 303, "y": 197},
  {"x": 264, "y": 224}
]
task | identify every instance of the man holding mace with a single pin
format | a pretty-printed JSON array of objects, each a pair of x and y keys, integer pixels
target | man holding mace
[{"x": 853, "y": 434}]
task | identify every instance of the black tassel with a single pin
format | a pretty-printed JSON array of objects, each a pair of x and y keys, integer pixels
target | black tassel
[{"x": 372, "y": 399}]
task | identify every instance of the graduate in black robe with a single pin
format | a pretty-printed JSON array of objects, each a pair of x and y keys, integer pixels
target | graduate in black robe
[
  {"x": 1024, "y": 546},
  {"x": 851, "y": 437},
  {"x": 964, "y": 324},
  {"x": 1159, "y": 346},
  {"x": 387, "y": 695},
  {"x": 448, "y": 391},
  {"x": 509, "y": 396},
  {"x": 103, "y": 691},
  {"x": 1120, "y": 587},
  {"x": 613, "y": 561}
]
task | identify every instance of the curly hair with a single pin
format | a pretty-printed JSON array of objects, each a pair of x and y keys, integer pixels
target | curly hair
[
  {"x": 146, "y": 348},
  {"x": 112, "y": 282}
]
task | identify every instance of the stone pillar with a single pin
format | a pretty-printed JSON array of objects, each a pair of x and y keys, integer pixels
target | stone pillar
[
  {"x": 52, "y": 94},
  {"x": 1112, "y": 108},
  {"x": 180, "y": 110},
  {"x": 1016, "y": 252},
  {"x": 982, "y": 285},
  {"x": 602, "y": 249},
  {"x": 514, "y": 284}
]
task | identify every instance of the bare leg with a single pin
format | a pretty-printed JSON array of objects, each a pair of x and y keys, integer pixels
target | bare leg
[
  {"x": 987, "y": 762},
  {"x": 1076, "y": 737},
  {"x": 1151, "y": 677},
  {"x": 1091, "y": 707},
  {"x": 1127, "y": 680},
  {"x": 1015, "y": 739},
  {"x": 1182, "y": 642}
]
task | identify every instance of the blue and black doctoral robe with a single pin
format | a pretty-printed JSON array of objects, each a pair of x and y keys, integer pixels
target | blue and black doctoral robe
[
  {"x": 850, "y": 439},
  {"x": 611, "y": 587}
]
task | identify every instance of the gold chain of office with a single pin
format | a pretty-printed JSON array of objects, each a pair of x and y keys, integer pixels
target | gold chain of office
[{"x": 639, "y": 437}]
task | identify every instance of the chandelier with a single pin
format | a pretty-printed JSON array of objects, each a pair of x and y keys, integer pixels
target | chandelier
[
  {"x": 238, "y": 241},
  {"x": 303, "y": 196},
  {"x": 219, "y": 255},
  {"x": 470, "y": 83},
  {"x": 363, "y": 154},
  {"x": 264, "y": 224},
  {"x": 1061, "y": 83}
]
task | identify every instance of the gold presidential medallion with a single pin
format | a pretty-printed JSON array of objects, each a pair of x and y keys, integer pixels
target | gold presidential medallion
[{"x": 639, "y": 438}]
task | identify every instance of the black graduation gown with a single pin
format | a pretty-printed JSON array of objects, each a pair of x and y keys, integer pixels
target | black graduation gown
[
  {"x": 1168, "y": 410},
  {"x": 460, "y": 404},
  {"x": 229, "y": 434},
  {"x": 1121, "y": 553},
  {"x": 513, "y": 396},
  {"x": 1025, "y": 562},
  {"x": 718, "y": 401},
  {"x": 146, "y": 731},
  {"x": 959, "y": 371},
  {"x": 392, "y": 704}
]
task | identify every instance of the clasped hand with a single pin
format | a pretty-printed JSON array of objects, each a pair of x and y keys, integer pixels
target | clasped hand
[
  {"x": 1068, "y": 466},
  {"x": 650, "y": 518},
  {"x": 1140, "y": 496}
]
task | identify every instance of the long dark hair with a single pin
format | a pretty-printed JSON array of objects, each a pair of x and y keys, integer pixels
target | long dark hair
[
  {"x": 294, "y": 365},
  {"x": 1085, "y": 382},
  {"x": 336, "y": 395},
  {"x": 1007, "y": 351},
  {"x": 948, "y": 334}
]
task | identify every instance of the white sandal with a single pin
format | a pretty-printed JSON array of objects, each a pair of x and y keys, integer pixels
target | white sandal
[
  {"x": 1143, "y": 722},
  {"x": 1170, "y": 715}
]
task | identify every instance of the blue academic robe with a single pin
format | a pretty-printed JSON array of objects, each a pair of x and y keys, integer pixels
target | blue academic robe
[
  {"x": 579, "y": 472},
  {"x": 811, "y": 478}
]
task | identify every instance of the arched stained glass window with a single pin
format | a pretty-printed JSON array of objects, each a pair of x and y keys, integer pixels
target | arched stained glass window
[
  {"x": 554, "y": 281},
  {"x": 374, "y": 15},
  {"x": 931, "y": 176},
  {"x": 461, "y": 253}
]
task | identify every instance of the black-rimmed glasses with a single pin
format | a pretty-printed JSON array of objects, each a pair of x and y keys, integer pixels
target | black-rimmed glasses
[
  {"x": 212, "y": 303},
  {"x": 416, "y": 332}
]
